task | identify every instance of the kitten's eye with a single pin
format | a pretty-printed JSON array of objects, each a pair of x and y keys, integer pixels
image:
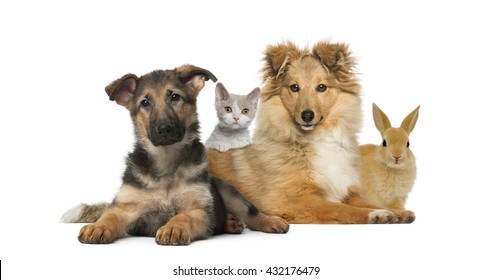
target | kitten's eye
[
  {"x": 294, "y": 88},
  {"x": 407, "y": 145},
  {"x": 384, "y": 143},
  {"x": 321, "y": 88},
  {"x": 228, "y": 109},
  {"x": 144, "y": 103},
  {"x": 245, "y": 111}
]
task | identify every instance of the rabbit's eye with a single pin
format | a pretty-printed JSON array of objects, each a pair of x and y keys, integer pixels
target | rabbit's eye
[
  {"x": 407, "y": 145},
  {"x": 384, "y": 143}
]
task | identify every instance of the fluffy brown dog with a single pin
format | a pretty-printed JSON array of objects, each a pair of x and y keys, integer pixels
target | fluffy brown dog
[{"x": 303, "y": 162}]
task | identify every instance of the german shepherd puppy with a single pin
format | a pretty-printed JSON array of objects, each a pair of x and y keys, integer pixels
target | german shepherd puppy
[
  {"x": 166, "y": 190},
  {"x": 303, "y": 162}
]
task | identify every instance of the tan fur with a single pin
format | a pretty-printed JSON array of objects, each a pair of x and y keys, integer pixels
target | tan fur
[
  {"x": 388, "y": 173},
  {"x": 183, "y": 227},
  {"x": 109, "y": 227},
  {"x": 303, "y": 170}
]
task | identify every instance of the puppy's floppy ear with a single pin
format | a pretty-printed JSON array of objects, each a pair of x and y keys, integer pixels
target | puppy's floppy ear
[
  {"x": 335, "y": 57},
  {"x": 276, "y": 57},
  {"x": 193, "y": 76},
  {"x": 123, "y": 89}
]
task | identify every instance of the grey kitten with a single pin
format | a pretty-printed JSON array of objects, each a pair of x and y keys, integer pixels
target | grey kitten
[{"x": 235, "y": 115}]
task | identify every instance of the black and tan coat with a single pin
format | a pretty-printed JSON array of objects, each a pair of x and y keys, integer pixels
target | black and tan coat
[{"x": 166, "y": 190}]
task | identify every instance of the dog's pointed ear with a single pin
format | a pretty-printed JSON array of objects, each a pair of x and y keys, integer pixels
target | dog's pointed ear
[
  {"x": 123, "y": 89},
  {"x": 194, "y": 77},
  {"x": 335, "y": 57},
  {"x": 338, "y": 61},
  {"x": 276, "y": 57}
]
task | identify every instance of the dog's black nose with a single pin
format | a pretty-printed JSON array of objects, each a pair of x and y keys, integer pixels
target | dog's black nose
[
  {"x": 166, "y": 134},
  {"x": 307, "y": 116},
  {"x": 165, "y": 129}
]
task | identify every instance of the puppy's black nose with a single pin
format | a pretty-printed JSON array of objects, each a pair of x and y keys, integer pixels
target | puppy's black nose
[
  {"x": 166, "y": 134},
  {"x": 307, "y": 116},
  {"x": 165, "y": 129}
]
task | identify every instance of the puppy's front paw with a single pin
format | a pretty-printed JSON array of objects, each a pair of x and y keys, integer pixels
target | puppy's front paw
[
  {"x": 173, "y": 235},
  {"x": 380, "y": 216},
  {"x": 97, "y": 234}
]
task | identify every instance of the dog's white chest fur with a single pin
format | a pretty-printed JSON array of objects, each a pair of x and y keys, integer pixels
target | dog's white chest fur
[{"x": 335, "y": 165}]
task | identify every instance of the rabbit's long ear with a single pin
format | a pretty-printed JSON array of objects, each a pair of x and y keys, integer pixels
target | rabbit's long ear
[
  {"x": 410, "y": 121},
  {"x": 381, "y": 120}
]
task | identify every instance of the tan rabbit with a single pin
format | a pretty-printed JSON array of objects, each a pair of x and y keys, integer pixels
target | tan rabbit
[{"x": 388, "y": 171}]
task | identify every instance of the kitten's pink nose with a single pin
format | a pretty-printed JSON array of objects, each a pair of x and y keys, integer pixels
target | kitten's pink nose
[{"x": 236, "y": 118}]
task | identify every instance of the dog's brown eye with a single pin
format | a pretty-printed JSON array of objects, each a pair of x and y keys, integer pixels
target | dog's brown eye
[
  {"x": 175, "y": 97},
  {"x": 245, "y": 111},
  {"x": 384, "y": 143},
  {"x": 321, "y": 88},
  {"x": 295, "y": 88},
  {"x": 144, "y": 103},
  {"x": 228, "y": 109}
]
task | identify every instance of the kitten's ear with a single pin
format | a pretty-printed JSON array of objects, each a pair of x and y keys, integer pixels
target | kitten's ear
[
  {"x": 221, "y": 92},
  {"x": 253, "y": 96}
]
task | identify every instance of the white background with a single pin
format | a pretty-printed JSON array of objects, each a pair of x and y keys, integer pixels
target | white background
[{"x": 63, "y": 142}]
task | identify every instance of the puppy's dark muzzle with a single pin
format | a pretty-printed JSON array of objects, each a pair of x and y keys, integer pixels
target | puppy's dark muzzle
[{"x": 166, "y": 134}]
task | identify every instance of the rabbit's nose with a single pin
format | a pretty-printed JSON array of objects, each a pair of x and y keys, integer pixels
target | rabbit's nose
[{"x": 396, "y": 158}]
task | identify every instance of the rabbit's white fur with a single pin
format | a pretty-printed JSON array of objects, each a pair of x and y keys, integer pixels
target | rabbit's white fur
[{"x": 388, "y": 171}]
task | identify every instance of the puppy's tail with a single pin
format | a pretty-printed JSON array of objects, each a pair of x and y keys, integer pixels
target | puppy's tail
[
  {"x": 84, "y": 213},
  {"x": 245, "y": 211}
]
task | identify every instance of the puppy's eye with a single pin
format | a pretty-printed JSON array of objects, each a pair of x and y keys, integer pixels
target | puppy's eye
[
  {"x": 245, "y": 111},
  {"x": 321, "y": 88},
  {"x": 228, "y": 109},
  {"x": 384, "y": 143},
  {"x": 174, "y": 97},
  {"x": 294, "y": 88},
  {"x": 407, "y": 145},
  {"x": 145, "y": 103}
]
